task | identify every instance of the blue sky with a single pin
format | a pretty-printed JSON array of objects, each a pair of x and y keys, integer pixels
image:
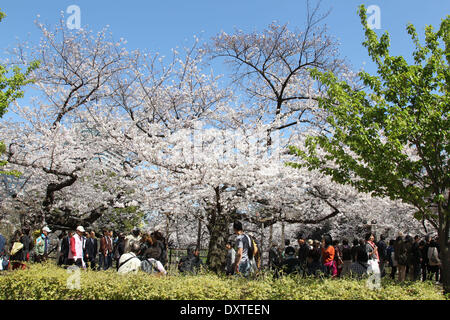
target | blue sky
[{"x": 162, "y": 25}]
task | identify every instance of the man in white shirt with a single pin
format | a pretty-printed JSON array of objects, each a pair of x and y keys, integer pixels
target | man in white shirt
[{"x": 129, "y": 262}]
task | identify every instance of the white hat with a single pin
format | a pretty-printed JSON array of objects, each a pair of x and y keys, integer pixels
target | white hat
[
  {"x": 81, "y": 229},
  {"x": 46, "y": 229}
]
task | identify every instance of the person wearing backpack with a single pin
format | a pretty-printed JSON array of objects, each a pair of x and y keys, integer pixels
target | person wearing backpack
[
  {"x": 243, "y": 266},
  {"x": 129, "y": 262},
  {"x": 360, "y": 265},
  {"x": 16, "y": 251}
]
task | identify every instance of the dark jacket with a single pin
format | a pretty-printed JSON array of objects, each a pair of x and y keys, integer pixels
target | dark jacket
[
  {"x": 303, "y": 253},
  {"x": 119, "y": 248},
  {"x": 91, "y": 248},
  {"x": 65, "y": 246},
  {"x": 274, "y": 257},
  {"x": 416, "y": 253},
  {"x": 189, "y": 263},
  {"x": 382, "y": 253},
  {"x": 163, "y": 255},
  {"x": 291, "y": 265},
  {"x": 401, "y": 252}
]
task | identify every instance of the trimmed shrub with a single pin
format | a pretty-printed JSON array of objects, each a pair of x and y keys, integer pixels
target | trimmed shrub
[{"x": 49, "y": 282}]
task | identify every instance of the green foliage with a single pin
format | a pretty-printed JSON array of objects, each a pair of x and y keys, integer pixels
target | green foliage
[
  {"x": 3, "y": 163},
  {"x": 404, "y": 110},
  {"x": 11, "y": 82},
  {"x": 49, "y": 282}
]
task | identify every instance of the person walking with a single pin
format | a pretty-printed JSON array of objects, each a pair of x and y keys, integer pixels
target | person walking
[{"x": 242, "y": 266}]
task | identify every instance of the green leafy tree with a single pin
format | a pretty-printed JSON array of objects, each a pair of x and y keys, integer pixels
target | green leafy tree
[
  {"x": 11, "y": 82},
  {"x": 393, "y": 138}
]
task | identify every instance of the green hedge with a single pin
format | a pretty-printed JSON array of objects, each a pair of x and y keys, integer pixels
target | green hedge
[{"x": 48, "y": 281}]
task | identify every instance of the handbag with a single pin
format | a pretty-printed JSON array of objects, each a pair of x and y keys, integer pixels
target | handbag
[{"x": 17, "y": 246}]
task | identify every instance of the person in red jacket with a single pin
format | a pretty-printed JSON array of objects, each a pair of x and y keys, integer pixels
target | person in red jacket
[{"x": 76, "y": 248}]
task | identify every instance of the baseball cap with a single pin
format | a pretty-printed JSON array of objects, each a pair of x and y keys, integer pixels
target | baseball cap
[
  {"x": 46, "y": 229},
  {"x": 81, "y": 229}
]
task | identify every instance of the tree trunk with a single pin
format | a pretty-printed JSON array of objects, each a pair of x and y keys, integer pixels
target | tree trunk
[
  {"x": 218, "y": 237},
  {"x": 445, "y": 260},
  {"x": 261, "y": 243},
  {"x": 270, "y": 235},
  {"x": 199, "y": 234},
  {"x": 444, "y": 244}
]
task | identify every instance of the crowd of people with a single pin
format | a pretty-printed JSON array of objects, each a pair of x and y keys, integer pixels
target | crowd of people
[
  {"x": 417, "y": 258},
  {"x": 408, "y": 258},
  {"x": 82, "y": 248}
]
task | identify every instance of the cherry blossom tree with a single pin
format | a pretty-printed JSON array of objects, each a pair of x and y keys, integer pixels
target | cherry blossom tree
[{"x": 55, "y": 140}]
